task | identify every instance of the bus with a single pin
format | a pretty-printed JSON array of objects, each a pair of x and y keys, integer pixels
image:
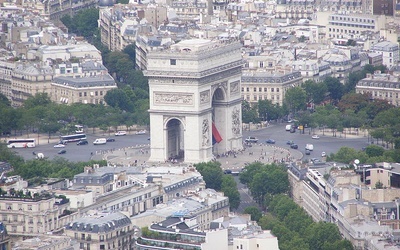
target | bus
[
  {"x": 71, "y": 138},
  {"x": 21, "y": 143}
]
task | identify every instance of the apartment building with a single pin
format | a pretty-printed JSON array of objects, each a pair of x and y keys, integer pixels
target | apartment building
[
  {"x": 29, "y": 216},
  {"x": 196, "y": 208},
  {"x": 171, "y": 234},
  {"x": 381, "y": 86},
  {"x": 342, "y": 27},
  {"x": 364, "y": 215},
  {"x": 6, "y": 71},
  {"x": 314, "y": 70},
  {"x": 29, "y": 79},
  {"x": 103, "y": 231},
  {"x": 296, "y": 10},
  {"x": 54, "y": 10},
  {"x": 259, "y": 85},
  {"x": 389, "y": 52}
]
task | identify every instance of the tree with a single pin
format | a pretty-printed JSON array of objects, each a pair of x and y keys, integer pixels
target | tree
[
  {"x": 254, "y": 212},
  {"x": 374, "y": 150},
  {"x": 295, "y": 98},
  {"x": 347, "y": 155},
  {"x": 268, "y": 110},
  {"x": 335, "y": 88},
  {"x": 131, "y": 51},
  {"x": 316, "y": 92},
  {"x": 212, "y": 174},
  {"x": 229, "y": 188},
  {"x": 118, "y": 98},
  {"x": 321, "y": 233},
  {"x": 249, "y": 113}
]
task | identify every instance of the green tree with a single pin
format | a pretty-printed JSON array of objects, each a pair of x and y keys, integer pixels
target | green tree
[
  {"x": 295, "y": 99},
  {"x": 321, "y": 233},
  {"x": 335, "y": 88},
  {"x": 254, "y": 212},
  {"x": 374, "y": 150},
  {"x": 249, "y": 113},
  {"x": 268, "y": 111},
  {"x": 212, "y": 174},
  {"x": 229, "y": 188},
  {"x": 131, "y": 51},
  {"x": 315, "y": 92}
]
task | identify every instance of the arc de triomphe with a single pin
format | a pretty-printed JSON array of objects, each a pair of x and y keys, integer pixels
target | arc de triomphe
[{"x": 195, "y": 100}]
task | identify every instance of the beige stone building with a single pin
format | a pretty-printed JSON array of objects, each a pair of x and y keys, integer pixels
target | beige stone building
[
  {"x": 103, "y": 231},
  {"x": 381, "y": 86},
  {"x": 69, "y": 90},
  {"x": 259, "y": 85},
  {"x": 32, "y": 216},
  {"x": 28, "y": 80}
]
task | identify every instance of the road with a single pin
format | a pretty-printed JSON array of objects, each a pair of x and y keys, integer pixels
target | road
[{"x": 77, "y": 153}]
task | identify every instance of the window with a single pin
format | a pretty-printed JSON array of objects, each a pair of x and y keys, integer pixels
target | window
[
  {"x": 265, "y": 89},
  {"x": 277, "y": 89},
  {"x": 259, "y": 89},
  {"x": 255, "y": 89},
  {"x": 272, "y": 89},
  {"x": 84, "y": 94},
  {"x": 62, "y": 70},
  {"x": 247, "y": 89},
  {"x": 172, "y": 61}
]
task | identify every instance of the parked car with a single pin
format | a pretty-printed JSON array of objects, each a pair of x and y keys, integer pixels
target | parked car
[
  {"x": 315, "y": 136},
  {"x": 270, "y": 141},
  {"x": 290, "y": 142},
  {"x": 141, "y": 132},
  {"x": 251, "y": 139},
  {"x": 308, "y": 152},
  {"x": 59, "y": 146},
  {"x": 82, "y": 142},
  {"x": 120, "y": 133},
  {"x": 62, "y": 151},
  {"x": 110, "y": 139},
  {"x": 323, "y": 154},
  {"x": 294, "y": 146}
]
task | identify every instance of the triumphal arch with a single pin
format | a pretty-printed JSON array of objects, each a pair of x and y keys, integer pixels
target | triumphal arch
[{"x": 195, "y": 100}]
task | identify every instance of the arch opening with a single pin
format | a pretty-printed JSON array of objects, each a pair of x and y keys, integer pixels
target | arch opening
[{"x": 175, "y": 137}]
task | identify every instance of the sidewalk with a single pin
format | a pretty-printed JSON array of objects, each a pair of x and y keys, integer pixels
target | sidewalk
[{"x": 264, "y": 153}]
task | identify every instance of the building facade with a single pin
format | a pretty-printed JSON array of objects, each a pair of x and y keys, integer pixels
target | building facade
[
  {"x": 258, "y": 85},
  {"x": 389, "y": 52},
  {"x": 381, "y": 86},
  {"x": 103, "y": 231}
]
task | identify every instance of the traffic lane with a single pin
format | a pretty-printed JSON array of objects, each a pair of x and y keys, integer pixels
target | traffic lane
[
  {"x": 245, "y": 198},
  {"x": 78, "y": 153}
]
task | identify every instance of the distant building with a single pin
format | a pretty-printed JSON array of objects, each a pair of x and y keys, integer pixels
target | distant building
[
  {"x": 381, "y": 86},
  {"x": 45, "y": 242},
  {"x": 5, "y": 241},
  {"x": 389, "y": 52},
  {"x": 177, "y": 235},
  {"x": 102, "y": 231},
  {"x": 258, "y": 85}
]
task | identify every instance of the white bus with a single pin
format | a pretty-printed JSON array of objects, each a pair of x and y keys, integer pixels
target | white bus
[
  {"x": 79, "y": 129},
  {"x": 21, "y": 143},
  {"x": 71, "y": 138}
]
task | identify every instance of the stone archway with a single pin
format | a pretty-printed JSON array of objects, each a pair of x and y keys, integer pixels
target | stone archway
[
  {"x": 175, "y": 139},
  {"x": 219, "y": 120}
]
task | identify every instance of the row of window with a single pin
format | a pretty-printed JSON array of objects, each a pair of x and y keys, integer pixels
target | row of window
[
  {"x": 361, "y": 26},
  {"x": 262, "y": 97},
  {"x": 260, "y": 89},
  {"x": 352, "y": 19}
]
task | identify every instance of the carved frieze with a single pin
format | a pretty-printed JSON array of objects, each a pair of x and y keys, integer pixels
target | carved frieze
[
  {"x": 236, "y": 121},
  {"x": 173, "y": 98},
  {"x": 205, "y": 133},
  {"x": 234, "y": 87},
  {"x": 205, "y": 97}
]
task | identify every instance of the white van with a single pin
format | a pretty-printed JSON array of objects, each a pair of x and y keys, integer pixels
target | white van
[
  {"x": 120, "y": 133},
  {"x": 288, "y": 127},
  {"x": 310, "y": 147},
  {"x": 100, "y": 141}
]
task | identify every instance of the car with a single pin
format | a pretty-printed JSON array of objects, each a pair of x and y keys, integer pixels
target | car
[
  {"x": 227, "y": 171},
  {"x": 82, "y": 142},
  {"x": 294, "y": 146},
  {"x": 251, "y": 139},
  {"x": 315, "y": 137},
  {"x": 62, "y": 151},
  {"x": 270, "y": 141},
  {"x": 59, "y": 146},
  {"x": 290, "y": 142},
  {"x": 323, "y": 154},
  {"x": 315, "y": 160},
  {"x": 141, "y": 132},
  {"x": 110, "y": 140},
  {"x": 308, "y": 152},
  {"x": 120, "y": 133}
]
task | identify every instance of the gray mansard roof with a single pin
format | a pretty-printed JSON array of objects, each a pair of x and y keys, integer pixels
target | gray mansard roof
[
  {"x": 85, "y": 82},
  {"x": 99, "y": 223}
]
